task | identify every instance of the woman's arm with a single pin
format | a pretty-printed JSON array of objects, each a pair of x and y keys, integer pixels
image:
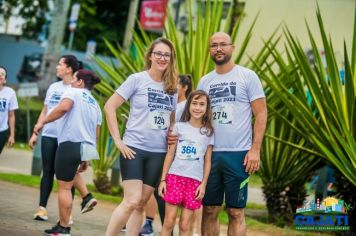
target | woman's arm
[
  {"x": 11, "y": 139},
  {"x": 114, "y": 102}
]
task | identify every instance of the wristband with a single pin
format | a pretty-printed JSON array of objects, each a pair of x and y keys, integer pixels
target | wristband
[{"x": 163, "y": 180}]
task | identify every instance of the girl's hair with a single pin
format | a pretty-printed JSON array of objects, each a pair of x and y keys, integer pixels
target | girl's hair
[
  {"x": 4, "y": 70},
  {"x": 207, "y": 127},
  {"x": 170, "y": 74},
  {"x": 90, "y": 78},
  {"x": 72, "y": 62},
  {"x": 186, "y": 80}
]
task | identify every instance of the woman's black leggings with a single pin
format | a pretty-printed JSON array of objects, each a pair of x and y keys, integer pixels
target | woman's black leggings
[{"x": 49, "y": 147}]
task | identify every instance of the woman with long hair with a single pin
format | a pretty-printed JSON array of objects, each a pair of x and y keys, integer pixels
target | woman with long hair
[{"x": 152, "y": 96}]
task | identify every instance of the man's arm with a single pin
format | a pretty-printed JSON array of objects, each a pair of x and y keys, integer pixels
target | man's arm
[{"x": 252, "y": 159}]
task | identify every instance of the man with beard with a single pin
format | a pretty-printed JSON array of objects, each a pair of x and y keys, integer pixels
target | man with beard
[{"x": 236, "y": 93}]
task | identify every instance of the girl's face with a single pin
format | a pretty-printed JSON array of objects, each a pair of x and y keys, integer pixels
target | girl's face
[
  {"x": 160, "y": 57},
  {"x": 2, "y": 76},
  {"x": 197, "y": 108},
  {"x": 62, "y": 69}
]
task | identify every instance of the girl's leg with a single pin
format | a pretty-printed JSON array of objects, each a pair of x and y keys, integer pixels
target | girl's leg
[
  {"x": 132, "y": 198},
  {"x": 64, "y": 201},
  {"x": 185, "y": 222},
  {"x": 169, "y": 219},
  {"x": 133, "y": 226}
]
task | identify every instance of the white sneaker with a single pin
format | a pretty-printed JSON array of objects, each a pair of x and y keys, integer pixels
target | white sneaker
[{"x": 41, "y": 214}]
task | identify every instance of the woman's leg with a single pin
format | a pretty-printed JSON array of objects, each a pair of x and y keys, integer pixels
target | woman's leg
[
  {"x": 185, "y": 222},
  {"x": 169, "y": 219},
  {"x": 64, "y": 202},
  {"x": 132, "y": 198},
  {"x": 133, "y": 226},
  {"x": 80, "y": 185}
]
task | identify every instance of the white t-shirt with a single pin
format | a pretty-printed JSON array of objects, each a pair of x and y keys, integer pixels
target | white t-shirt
[
  {"x": 53, "y": 96},
  {"x": 150, "y": 109},
  {"x": 80, "y": 122},
  {"x": 8, "y": 102},
  {"x": 231, "y": 94},
  {"x": 191, "y": 148},
  {"x": 179, "y": 110}
]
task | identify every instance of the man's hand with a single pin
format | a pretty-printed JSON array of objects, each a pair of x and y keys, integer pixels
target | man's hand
[{"x": 252, "y": 161}]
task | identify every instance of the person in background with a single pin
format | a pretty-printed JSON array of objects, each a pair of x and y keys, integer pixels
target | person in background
[
  {"x": 77, "y": 137},
  {"x": 8, "y": 105}
]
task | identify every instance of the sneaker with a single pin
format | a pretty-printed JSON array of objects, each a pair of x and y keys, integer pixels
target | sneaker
[
  {"x": 147, "y": 229},
  {"x": 41, "y": 214},
  {"x": 88, "y": 203},
  {"x": 57, "y": 230},
  {"x": 70, "y": 220},
  {"x": 123, "y": 229}
]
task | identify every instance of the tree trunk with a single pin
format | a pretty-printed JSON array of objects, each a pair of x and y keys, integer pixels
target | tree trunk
[{"x": 102, "y": 183}]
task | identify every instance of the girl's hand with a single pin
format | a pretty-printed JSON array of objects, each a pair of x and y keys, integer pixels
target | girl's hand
[
  {"x": 200, "y": 192},
  {"x": 127, "y": 152},
  {"x": 32, "y": 142},
  {"x": 162, "y": 189}
]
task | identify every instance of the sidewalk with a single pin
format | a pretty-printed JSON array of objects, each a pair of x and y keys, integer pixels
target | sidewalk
[{"x": 18, "y": 204}]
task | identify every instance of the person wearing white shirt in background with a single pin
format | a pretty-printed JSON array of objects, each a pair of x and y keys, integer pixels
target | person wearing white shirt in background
[
  {"x": 79, "y": 129},
  {"x": 153, "y": 99},
  {"x": 8, "y": 105},
  {"x": 67, "y": 66}
]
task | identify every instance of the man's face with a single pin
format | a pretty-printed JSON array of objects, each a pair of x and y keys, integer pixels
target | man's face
[{"x": 221, "y": 48}]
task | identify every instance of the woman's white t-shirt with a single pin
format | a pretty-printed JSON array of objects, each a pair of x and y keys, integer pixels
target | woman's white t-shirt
[
  {"x": 191, "y": 148},
  {"x": 53, "y": 97},
  {"x": 150, "y": 109},
  {"x": 80, "y": 122},
  {"x": 8, "y": 102}
]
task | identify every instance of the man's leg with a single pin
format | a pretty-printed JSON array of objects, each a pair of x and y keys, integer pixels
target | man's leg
[
  {"x": 210, "y": 222},
  {"x": 237, "y": 225}
]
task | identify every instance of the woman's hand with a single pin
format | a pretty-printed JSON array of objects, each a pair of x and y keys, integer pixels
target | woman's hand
[
  {"x": 10, "y": 141},
  {"x": 125, "y": 151},
  {"x": 162, "y": 188},
  {"x": 83, "y": 166},
  {"x": 171, "y": 138},
  {"x": 32, "y": 142},
  {"x": 200, "y": 192},
  {"x": 37, "y": 128}
]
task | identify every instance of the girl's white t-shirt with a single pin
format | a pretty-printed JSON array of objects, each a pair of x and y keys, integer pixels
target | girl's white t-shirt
[
  {"x": 8, "y": 102},
  {"x": 53, "y": 97},
  {"x": 150, "y": 110},
  {"x": 80, "y": 122},
  {"x": 190, "y": 153}
]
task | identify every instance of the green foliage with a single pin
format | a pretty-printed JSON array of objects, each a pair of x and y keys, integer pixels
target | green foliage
[{"x": 328, "y": 121}]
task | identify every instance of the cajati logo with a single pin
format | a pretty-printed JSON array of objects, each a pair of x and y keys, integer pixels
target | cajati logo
[{"x": 327, "y": 215}]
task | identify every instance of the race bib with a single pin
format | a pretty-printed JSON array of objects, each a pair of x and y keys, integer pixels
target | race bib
[
  {"x": 223, "y": 114},
  {"x": 158, "y": 119},
  {"x": 188, "y": 150}
]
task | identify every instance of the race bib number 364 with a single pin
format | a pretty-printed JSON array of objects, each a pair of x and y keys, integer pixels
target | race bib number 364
[
  {"x": 158, "y": 119},
  {"x": 188, "y": 150}
]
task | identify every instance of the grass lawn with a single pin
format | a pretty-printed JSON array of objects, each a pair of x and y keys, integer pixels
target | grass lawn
[{"x": 253, "y": 224}]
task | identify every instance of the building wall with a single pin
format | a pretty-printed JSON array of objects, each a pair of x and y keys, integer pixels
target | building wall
[{"x": 338, "y": 17}]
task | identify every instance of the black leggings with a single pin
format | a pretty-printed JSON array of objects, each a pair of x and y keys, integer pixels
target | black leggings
[
  {"x": 48, "y": 148},
  {"x": 3, "y": 139}
]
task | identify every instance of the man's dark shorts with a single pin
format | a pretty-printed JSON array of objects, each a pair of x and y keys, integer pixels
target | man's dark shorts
[{"x": 227, "y": 177}]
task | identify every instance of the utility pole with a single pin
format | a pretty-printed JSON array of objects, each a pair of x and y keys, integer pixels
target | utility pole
[
  {"x": 130, "y": 23},
  {"x": 52, "y": 51}
]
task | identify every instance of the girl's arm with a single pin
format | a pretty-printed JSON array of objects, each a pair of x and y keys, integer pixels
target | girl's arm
[
  {"x": 207, "y": 166},
  {"x": 114, "y": 102},
  {"x": 167, "y": 164}
]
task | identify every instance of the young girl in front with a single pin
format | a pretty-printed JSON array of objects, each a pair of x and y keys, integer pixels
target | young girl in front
[{"x": 187, "y": 164}]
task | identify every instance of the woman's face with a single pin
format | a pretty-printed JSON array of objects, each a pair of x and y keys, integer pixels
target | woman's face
[
  {"x": 160, "y": 57},
  {"x": 76, "y": 82},
  {"x": 2, "y": 76},
  {"x": 62, "y": 69}
]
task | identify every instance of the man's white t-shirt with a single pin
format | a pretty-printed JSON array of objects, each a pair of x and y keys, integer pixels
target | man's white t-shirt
[
  {"x": 150, "y": 109},
  {"x": 191, "y": 148},
  {"x": 80, "y": 122},
  {"x": 53, "y": 97},
  {"x": 8, "y": 102},
  {"x": 179, "y": 110},
  {"x": 231, "y": 95}
]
